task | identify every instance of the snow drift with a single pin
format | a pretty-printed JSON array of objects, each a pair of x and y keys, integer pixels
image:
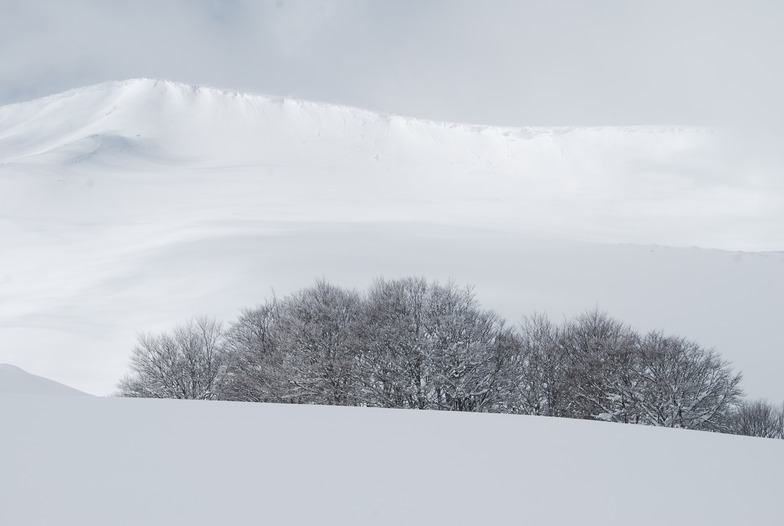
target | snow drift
[{"x": 135, "y": 205}]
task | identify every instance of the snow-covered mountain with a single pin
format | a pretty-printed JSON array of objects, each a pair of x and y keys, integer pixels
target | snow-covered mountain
[
  {"x": 98, "y": 461},
  {"x": 670, "y": 186},
  {"x": 132, "y": 205}
]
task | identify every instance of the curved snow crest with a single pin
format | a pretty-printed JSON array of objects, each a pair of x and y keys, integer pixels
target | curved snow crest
[
  {"x": 149, "y": 87},
  {"x": 14, "y": 380},
  {"x": 229, "y": 126}
]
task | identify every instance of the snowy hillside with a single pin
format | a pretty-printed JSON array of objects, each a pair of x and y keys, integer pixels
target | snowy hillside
[
  {"x": 134, "y": 205},
  {"x": 98, "y": 461},
  {"x": 633, "y": 185},
  {"x": 14, "y": 380}
]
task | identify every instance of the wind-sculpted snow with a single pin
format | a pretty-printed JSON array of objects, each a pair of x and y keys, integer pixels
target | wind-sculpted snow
[
  {"x": 96, "y": 461},
  {"x": 135, "y": 205}
]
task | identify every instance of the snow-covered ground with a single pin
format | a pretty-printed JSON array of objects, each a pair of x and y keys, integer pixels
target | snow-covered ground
[
  {"x": 87, "y": 461},
  {"x": 134, "y": 205}
]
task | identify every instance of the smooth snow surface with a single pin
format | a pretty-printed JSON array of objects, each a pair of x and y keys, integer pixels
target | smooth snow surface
[
  {"x": 14, "y": 380},
  {"x": 132, "y": 206},
  {"x": 99, "y": 461}
]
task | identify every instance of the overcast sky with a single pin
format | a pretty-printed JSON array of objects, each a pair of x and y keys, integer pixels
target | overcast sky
[{"x": 517, "y": 62}]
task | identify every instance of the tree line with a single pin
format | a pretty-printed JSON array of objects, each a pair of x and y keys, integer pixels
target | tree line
[{"x": 418, "y": 344}]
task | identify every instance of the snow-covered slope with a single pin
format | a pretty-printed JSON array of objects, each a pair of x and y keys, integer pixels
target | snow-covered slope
[
  {"x": 98, "y": 461},
  {"x": 15, "y": 380},
  {"x": 132, "y": 205},
  {"x": 673, "y": 186}
]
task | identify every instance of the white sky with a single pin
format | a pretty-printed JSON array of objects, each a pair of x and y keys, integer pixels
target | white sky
[{"x": 517, "y": 62}]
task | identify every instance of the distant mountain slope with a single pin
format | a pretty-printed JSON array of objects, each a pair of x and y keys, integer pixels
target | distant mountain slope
[
  {"x": 215, "y": 125},
  {"x": 666, "y": 185},
  {"x": 15, "y": 380},
  {"x": 162, "y": 462},
  {"x": 130, "y": 206}
]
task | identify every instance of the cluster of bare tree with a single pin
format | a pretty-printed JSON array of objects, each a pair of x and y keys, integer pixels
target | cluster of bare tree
[
  {"x": 758, "y": 419},
  {"x": 411, "y": 343}
]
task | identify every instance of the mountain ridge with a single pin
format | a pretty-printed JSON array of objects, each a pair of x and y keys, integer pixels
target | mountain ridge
[
  {"x": 660, "y": 176},
  {"x": 161, "y": 109},
  {"x": 152, "y": 83}
]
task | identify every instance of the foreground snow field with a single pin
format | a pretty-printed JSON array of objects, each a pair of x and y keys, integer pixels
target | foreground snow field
[
  {"x": 134, "y": 205},
  {"x": 87, "y": 461}
]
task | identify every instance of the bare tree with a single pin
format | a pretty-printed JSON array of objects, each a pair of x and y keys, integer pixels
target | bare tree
[
  {"x": 684, "y": 385},
  {"x": 535, "y": 377},
  {"x": 186, "y": 363},
  {"x": 255, "y": 361},
  {"x": 600, "y": 352},
  {"x": 394, "y": 359},
  {"x": 462, "y": 341},
  {"x": 429, "y": 346},
  {"x": 596, "y": 367},
  {"x": 317, "y": 338},
  {"x": 758, "y": 419}
]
